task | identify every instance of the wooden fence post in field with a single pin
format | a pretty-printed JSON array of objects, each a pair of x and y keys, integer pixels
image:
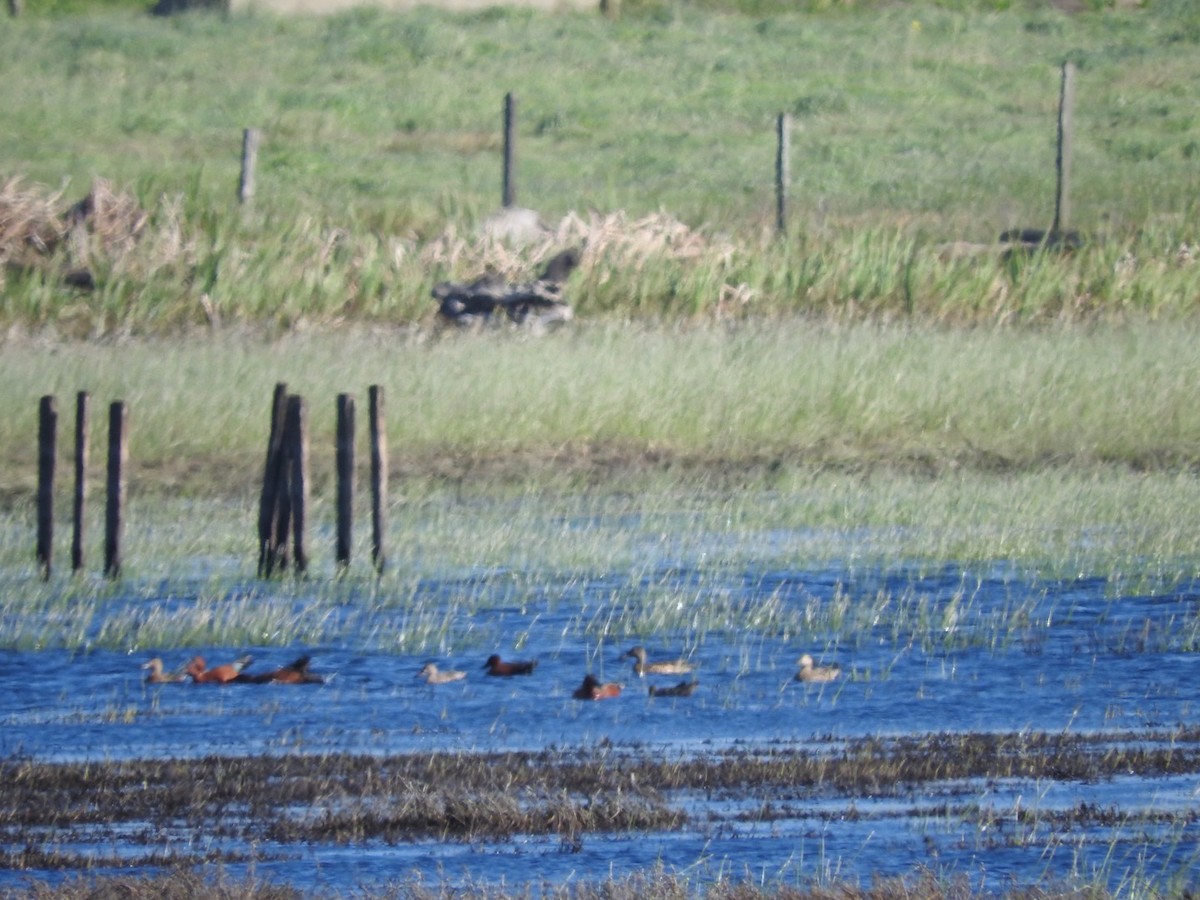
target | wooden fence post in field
[
  {"x": 47, "y": 443},
  {"x": 296, "y": 439},
  {"x": 274, "y": 486},
  {"x": 379, "y": 475},
  {"x": 15, "y": 7},
  {"x": 250, "y": 141},
  {"x": 81, "y": 464},
  {"x": 1066, "y": 102},
  {"x": 345, "y": 477},
  {"x": 782, "y": 170},
  {"x": 509, "y": 193},
  {"x": 118, "y": 457}
]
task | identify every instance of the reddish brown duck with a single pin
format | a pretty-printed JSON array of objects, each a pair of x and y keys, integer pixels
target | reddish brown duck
[
  {"x": 496, "y": 666},
  {"x": 593, "y": 689},
  {"x": 222, "y": 674}
]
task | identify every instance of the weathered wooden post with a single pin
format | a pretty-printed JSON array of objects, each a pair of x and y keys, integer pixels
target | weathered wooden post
[
  {"x": 250, "y": 141},
  {"x": 47, "y": 444},
  {"x": 783, "y": 154},
  {"x": 345, "y": 477},
  {"x": 379, "y": 475},
  {"x": 509, "y": 194},
  {"x": 16, "y": 7},
  {"x": 1066, "y": 102},
  {"x": 81, "y": 464},
  {"x": 273, "y": 485},
  {"x": 118, "y": 457},
  {"x": 296, "y": 438}
]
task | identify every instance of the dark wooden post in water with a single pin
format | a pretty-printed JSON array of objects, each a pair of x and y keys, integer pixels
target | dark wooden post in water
[
  {"x": 250, "y": 141},
  {"x": 274, "y": 487},
  {"x": 118, "y": 456},
  {"x": 1066, "y": 102},
  {"x": 379, "y": 475},
  {"x": 296, "y": 439},
  {"x": 47, "y": 444},
  {"x": 509, "y": 194},
  {"x": 81, "y": 464},
  {"x": 783, "y": 155},
  {"x": 345, "y": 477}
]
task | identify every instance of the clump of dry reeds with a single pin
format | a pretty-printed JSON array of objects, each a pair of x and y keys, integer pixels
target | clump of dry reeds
[
  {"x": 102, "y": 229},
  {"x": 615, "y": 237},
  {"x": 30, "y": 225}
]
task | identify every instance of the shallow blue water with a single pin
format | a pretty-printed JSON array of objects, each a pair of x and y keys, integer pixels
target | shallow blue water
[{"x": 1087, "y": 662}]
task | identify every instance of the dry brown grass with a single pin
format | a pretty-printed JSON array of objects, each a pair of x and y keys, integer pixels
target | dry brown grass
[{"x": 108, "y": 227}]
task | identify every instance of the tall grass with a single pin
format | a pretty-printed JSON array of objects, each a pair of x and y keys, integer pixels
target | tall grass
[{"x": 738, "y": 402}]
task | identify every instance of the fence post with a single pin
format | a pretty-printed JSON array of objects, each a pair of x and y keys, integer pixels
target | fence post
[
  {"x": 250, "y": 141},
  {"x": 509, "y": 193},
  {"x": 82, "y": 418},
  {"x": 118, "y": 456},
  {"x": 1066, "y": 102},
  {"x": 345, "y": 477},
  {"x": 379, "y": 475},
  {"x": 297, "y": 442},
  {"x": 16, "y": 7},
  {"x": 47, "y": 441},
  {"x": 782, "y": 170},
  {"x": 270, "y": 500}
]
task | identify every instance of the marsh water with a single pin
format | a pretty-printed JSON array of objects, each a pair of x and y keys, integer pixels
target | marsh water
[{"x": 923, "y": 649}]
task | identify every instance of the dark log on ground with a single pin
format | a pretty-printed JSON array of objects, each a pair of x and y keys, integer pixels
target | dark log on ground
[{"x": 485, "y": 299}]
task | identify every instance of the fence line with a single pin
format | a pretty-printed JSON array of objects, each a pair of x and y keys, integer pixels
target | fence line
[{"x": 508, "y": 194}]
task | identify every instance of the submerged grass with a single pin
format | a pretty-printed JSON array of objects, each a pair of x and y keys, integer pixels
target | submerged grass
[{"x": 267, "y": 804}]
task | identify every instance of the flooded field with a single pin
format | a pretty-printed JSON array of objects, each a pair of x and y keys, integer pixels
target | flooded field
[{"x": 987, "y": 720}]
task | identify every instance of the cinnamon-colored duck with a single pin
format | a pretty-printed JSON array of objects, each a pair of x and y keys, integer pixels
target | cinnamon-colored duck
[
  {"x": 156, "y": 675},
  {"x": 496, "y": 666},
  {"x": 672, "y": 667},
  {"x": 222, "y": 674},
  {"x": 433, "y": 675},
  {"x": 811, "y": 672},
  {"x": 593, "y": 689}
]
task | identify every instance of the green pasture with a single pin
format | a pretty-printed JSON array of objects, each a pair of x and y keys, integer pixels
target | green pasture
[{"x": 913, "y": 126}]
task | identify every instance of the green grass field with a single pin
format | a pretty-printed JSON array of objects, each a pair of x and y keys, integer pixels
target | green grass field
[{"x": 913, "y": 126}]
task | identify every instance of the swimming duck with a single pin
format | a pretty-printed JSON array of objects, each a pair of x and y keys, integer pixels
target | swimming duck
[
  {"x": 641, "y": 667},
  {"x": 293, "y": 673},
  {"x": 496, "y": 666},
  {"x": 592, "y": 689},
  {"x": 156, "y": 675},
  {"x": 683, "y": 689},
  {"x": 809, "y": 671},
  {"x": 222, "y": 674},
  {"x": 433, "y": 675}
]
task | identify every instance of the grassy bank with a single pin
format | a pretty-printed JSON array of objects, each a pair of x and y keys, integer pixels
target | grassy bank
[
  {"x": 649, "y": 139},
  {"x": 732, "y": 403}
]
